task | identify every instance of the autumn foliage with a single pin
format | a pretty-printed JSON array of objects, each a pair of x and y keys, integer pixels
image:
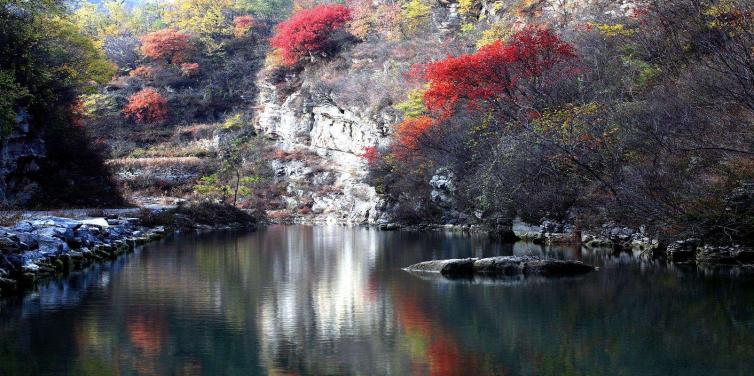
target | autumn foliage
[
  {"x": 309, "y": 32},
  {"x": 147, "y": 107},
  {"x": 169, "y": 45},
  {"x": 370, "y": 154},
  {"x": 189, "y": 69},
  {"x": 409, "y": 133},
  {"x": 497, "y": 73},
  {"x": 242, "y": 25}
]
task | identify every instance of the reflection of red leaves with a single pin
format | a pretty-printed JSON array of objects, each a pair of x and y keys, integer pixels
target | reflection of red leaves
[
  {"x": 443, "y": 356},
  {"x": 146, "y": 335}
]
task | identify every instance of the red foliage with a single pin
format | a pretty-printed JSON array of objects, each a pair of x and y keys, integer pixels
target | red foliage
[
  {"x": 495, "y": 73},
  {"x": 309, "y": 31},
  {"x": 166, "y": 44},
  {"x": 189, "y": 69},
  {"x": 142, "y": 71},
  {"x": 370, "y": 154},
  {"x": 242, "y": 25},
  {"x": 147, "y": 107},
  {"x": 408, "y": 135}
]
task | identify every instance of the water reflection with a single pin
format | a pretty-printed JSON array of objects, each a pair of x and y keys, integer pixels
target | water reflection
[{"x": 334, "y": 300}]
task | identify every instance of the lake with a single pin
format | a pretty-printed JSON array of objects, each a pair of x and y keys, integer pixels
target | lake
[{"x": 291, "y": 300}]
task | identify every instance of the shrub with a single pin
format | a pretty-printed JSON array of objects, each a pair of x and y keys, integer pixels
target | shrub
[
  {"x": 242, "y": 25},
  {"x": 310, "y": 32},
  {"x": 189, "y": 69},
  {"x": 147, "y": 107},
  {"x": 169, "y": 45}
]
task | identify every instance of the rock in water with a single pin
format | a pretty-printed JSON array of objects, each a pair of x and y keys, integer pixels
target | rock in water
[
  {"x": 504, "y": 266},
  {"x": 452, "y": 267}
]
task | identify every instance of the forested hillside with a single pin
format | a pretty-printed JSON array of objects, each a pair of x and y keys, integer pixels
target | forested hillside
[{"x": 590, "y": 114}]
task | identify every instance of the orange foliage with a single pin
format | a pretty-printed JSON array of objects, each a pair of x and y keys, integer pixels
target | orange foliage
[
  {"x": 409, "y": 134},
  {"x": 189, "y": 69},
  {"x": 147, "y": 107},
  {"x": 242, "y": 25},
  {"x": 142, "y": 71},
  {"x": 167, "y": 44}
]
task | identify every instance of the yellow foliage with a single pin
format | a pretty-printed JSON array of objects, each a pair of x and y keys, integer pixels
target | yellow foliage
[
  {"x": 415, "y": 14},
  {"x": 616, "y": 30},
  {"x": 494, "y": 33},
  {"x": 202, "y": 17},
  {"x": 466, "y": 6},
  {"x": 413, "y": 107}
]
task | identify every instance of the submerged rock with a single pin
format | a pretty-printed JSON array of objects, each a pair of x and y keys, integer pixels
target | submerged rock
[{"x": 503, "y": 266}]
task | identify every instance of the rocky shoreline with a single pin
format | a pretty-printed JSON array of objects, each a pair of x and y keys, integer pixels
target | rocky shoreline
[{"x": 44, "y": 247}]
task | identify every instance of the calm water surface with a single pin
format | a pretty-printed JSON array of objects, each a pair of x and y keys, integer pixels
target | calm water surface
[{"x": 334, "y": 300}]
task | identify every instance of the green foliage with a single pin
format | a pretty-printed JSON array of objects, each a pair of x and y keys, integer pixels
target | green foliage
[
  {"x": 234, "y": 122},
  {"x": 10, "y": 94}
]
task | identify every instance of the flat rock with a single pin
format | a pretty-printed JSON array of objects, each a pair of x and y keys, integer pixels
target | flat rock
[
  {"x": 445, "y": 267},
  {"x": 503, "y": 266}
]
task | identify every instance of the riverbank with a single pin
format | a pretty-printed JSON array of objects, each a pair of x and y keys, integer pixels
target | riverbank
[{"x": 38, "y": 247}]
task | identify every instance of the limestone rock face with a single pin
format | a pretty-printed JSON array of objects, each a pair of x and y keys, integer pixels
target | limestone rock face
[{"x": 322, "y": 171}]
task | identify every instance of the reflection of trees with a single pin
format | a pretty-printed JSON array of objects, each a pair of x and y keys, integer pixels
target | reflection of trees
[{"x": 333, "y": 300}]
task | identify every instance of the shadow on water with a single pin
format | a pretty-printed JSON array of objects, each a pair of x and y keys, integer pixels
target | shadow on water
[{"x": 334, "y": 300}]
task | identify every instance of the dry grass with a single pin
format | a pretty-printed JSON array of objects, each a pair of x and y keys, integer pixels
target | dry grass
[{"x": 155, "y": 162}]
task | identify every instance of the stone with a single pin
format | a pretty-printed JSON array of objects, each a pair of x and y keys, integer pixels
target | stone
[
  {"x": 450, "y": 267},
  {"x": 682, "y": 250},
  {"x": 99, "y": 222},
  {"x": 556, "y": 268},
  {"x": 8, "y": 245},
  {"x": 504, "y": 266}
]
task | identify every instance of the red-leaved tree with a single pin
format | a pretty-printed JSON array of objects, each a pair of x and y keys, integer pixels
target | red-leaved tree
[
  {"x": 408, "y": 135},
  {"x": 169, "y": 45},
  {"x": 309, "y": 32},
  {"x": 499, "y": 75},
  {"x": 242, "y": 25},
  {"x": 147, "y": 107}
]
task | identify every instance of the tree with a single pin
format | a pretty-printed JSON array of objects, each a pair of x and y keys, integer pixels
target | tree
[
  {"x": 168, "y": 44},
  {"x": 234, "y": 178},
  {"x": 242, "y": 25},
  {"x": 502, "y": 76},
  {"x": 310, "y": 32},
  {"x": 147, "y": 107}
]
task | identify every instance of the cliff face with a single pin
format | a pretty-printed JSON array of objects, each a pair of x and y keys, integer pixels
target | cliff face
[
  {"x": 335, "y": 108},
  {"x": 20, "y": 154},
  {"x": 319, "y": 160}
]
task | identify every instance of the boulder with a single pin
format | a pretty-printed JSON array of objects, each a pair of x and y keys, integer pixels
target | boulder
[
  {"x": 452, "y": 267},
  {"x": 556, "y": 268},
  {"x": 99, "y": 222},
  {"x": 504, "y": 266}
]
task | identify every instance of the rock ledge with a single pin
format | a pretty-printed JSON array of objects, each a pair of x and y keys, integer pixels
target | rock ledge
[{"x": 503, "y": 266}]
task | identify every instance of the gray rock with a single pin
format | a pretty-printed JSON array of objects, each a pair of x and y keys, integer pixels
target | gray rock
[
  {"x": 445, "y": 267},
  {"x": 556, "y": 268},
  {"x": 504, "y": 266}
]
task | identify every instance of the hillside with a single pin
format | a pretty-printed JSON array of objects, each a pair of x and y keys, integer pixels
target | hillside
[{"x": 583, "y": 114}]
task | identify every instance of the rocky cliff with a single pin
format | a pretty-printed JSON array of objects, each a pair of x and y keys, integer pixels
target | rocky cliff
[{"x": 319, "y": 162}]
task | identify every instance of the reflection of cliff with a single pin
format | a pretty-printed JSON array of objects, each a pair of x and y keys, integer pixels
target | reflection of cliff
[{"x": 322, "y": 297}]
